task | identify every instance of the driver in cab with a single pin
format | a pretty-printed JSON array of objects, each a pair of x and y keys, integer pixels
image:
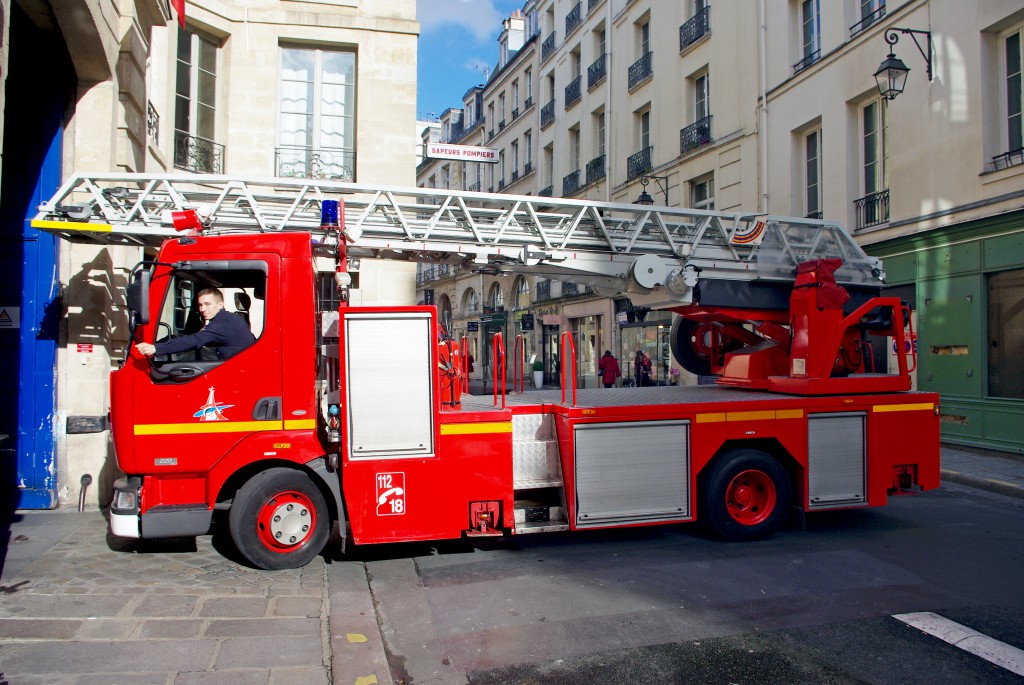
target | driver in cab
[{"x": 224, "y": 331}]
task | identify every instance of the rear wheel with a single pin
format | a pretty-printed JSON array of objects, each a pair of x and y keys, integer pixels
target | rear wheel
[
  {"x": 279, "y": 519},
  {"x": 746, "y": 495},
  {"x": 696, "y": 343}
]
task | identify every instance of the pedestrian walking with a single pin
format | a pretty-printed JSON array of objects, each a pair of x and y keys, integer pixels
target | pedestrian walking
[
  {"x": 642, "y": 369},
  {"x": 608, "y": 369}
]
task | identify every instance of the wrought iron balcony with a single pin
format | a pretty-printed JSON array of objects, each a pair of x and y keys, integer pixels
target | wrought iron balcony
[
  {"x": 695, "y": 135},
  {"x": 528, "y": 103},
  {"x": 591, "y": 4},
  {"x": 198, "y": 155},
  {"x": 515, "y": 113},
  {"x": 152, "y": 124},
  {"x": 573, "y": 19},
  {"x": 474, "y": 187},
  {"x": 515, "y": 175},
  {"x": 547, "y": 192},
  {"x": 490, "y": 134},
  {"x": 807, "y": 61},
  {"x": 868, "y": 20},
  {"x": 1008, "y": 159},
  {"x": 595, "y": 169},
  {"x": 641, "y": 70},
  {"x": 597, "y": 71},
  {"x": 569, "y": 289},
  {"x": 814, "y": 215},
  {"x": 543, "y": 290},
  {"x": 501, "y": 125},
  {"x": 547, "y": 48},
  {"x": 547, "y": 114},
  {"x": 501, "y": 185},
  {"x": 527, "y": 168},
  {"x": 639, "y": 164},
  {"x": 695, "y": 28},
  {"x": 572, "y": 92},
  {"x": 570, "y": 183},
  {"x": 872, "y": 209}
]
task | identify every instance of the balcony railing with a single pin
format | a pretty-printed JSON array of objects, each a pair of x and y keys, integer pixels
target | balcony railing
[
  {"x": 569, "y": 289},
  {"x": 807, "y": 61},
  {"x": 547, "y": 48},
  {"x": 547, "y": 192},
  {"x": 198, "y": 155},
  {"x": 641, "y": 70},
  {"x": 572, "y": 92},
  {"x": 474, "y": 187},
  {"x": 695, "y": 28},
  {"x": 547, "y": 114},
  {"x": 435, "y": 273},
  {"x": 695, "y": 135},
  {"x": 597, "y": 71},
  {"x": 152, "y": 124},
  {"x": 570, "y": 183},
  {"x": 639, "y": 164},
  {"x": 872, "y": 209},
  {"x": 501, "y": 185},
  {"x": 595, "y": 169},
  {"x": 543, "y": 290},
  {"x": 515, "y": 175},
  {"x": 1008, "y": 159},
  {"x": 814, "y": 215},
  {"x": 515, "y": 113},
  {"x": 501, "y": 125},
  {"x": 528, "y": 103},
  {"x": 573, "y": 19},
  {"x": 868, "y": 20}
]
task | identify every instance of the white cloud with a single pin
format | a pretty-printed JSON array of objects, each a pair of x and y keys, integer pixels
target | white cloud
[{"x": 479, "y": 17}]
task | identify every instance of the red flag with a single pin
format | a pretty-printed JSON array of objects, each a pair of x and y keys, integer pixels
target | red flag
[{"x": 179, "y": 7}]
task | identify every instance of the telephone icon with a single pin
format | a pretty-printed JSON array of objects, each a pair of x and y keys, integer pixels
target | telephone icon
[{"x": 396, "y": 492}]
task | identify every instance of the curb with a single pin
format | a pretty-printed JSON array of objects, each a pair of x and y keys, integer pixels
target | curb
[
  {"x": 991, "y": 485},
  {"x": 357, "y": 648}
]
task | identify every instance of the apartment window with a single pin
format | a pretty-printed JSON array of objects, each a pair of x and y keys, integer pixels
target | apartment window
[
  {"x": 501, "y": 169},
  {"x": 515, "y": 158},
  {"x": 529, "y": 84},
  {"x": 195, "y": 105},
  {"x": 644, "y": 38},
  {"x": 599, "y": 132},
  {"x": 574, "y": 149},
  {"x": 701, "y": 97},
  {"x": 549, "y": 165},
  {"x": 528, "y": 142},
  {"x": 812, "y": 173},
  {"x": 501, "y": 102},
  {"x": 470, "y": 302},
  {"x": 702, "y": 193},
  {"x": 515, "y": 95},
  {"x": 318, "y": 111},
  {"x": 522, "y": 293},
  {"x": 1014, "y": 91},
  {"x": 490, "y": 115},
  {"x": 810, "y": 19},
  {"x": 602, "y": 42},
  {"x": 876, "y": 147},
  {"x": 496, "y": 300},
  {"x": 446, "y": 177},
  {"x": 644, "y": 130},
  {"x": 1006, "y": 334}
]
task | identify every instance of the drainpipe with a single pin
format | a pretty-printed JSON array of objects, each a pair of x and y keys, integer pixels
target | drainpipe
[{"x": 762, "y": 44}]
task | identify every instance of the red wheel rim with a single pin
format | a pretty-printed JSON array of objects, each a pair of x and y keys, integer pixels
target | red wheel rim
[
  {"x": 750, "y": 497},
  {"x": 703, "y": 339},
  {"x": 286, "y": 521}
]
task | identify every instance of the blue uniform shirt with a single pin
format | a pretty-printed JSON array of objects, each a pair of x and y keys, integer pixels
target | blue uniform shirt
[{"x": 227, "y": 332}]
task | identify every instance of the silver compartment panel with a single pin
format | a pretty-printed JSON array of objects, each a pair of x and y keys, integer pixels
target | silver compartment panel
[
  {"x": 835, "y": 460},
  {"x": 632, "y": 472}
]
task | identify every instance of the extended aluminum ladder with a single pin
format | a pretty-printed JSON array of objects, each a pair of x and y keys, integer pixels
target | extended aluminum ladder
[{"x": 610, "y": 246}]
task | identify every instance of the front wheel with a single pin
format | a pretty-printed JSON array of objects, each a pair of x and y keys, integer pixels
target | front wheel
[
  {"x": 279, "y": 519},
  {"x": 746, "y": 495}
]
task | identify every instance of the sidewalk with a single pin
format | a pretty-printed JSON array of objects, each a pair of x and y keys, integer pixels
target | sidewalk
[{"x": 80, "y": 608}]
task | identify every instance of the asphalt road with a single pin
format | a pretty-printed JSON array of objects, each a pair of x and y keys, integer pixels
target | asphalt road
[{"x": 669, "y": 604}]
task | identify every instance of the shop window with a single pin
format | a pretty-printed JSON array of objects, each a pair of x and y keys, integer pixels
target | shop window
[{"x": 1006, "y": 334}]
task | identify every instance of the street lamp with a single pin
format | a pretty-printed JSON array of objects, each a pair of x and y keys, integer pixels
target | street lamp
[
  {"x": 891, "y": 76},
  {"x": 645, "y": 198}
]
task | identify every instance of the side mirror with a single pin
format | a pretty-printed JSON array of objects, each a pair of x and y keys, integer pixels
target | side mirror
[{"x": 138, "y": 295}]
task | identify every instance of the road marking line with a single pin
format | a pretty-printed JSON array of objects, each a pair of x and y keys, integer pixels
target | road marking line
[{"x": 989, "y": 649}]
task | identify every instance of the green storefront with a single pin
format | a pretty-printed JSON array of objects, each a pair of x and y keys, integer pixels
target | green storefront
[{"x": 966, "y": 283}]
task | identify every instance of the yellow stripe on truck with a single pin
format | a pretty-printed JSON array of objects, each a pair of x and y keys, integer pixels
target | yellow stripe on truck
[
  {"x": 922, "y": 406},
  {"x": 44, "y": 224},
  {"x": 476, "y": 428},
  {"x": 720, "y": 417},
  {"x": 207, "y": 427}
]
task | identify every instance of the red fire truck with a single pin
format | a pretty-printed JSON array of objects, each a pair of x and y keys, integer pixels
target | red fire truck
[{"x": 355, "y": 415}]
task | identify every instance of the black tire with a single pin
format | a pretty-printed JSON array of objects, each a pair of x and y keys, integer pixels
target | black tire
[
  {"x": 681, "y": 339},
  {"x": 279, "y": 519},
  {"x": 746, "y": 495}
]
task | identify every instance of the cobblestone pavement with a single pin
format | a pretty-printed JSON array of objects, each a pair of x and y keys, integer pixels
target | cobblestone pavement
[{"x": 93, "y": 609}]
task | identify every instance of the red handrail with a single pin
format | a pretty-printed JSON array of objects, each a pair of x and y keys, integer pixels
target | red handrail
[
  {"x": 519, "y": 365},
  {"x": 911, "y": 343},
  {"x": 569, "y": 370},
  {"x": 498, "y": 361},
  {"x": 464, "y": 358}
]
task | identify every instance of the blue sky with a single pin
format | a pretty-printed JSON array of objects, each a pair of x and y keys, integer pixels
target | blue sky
[{"x": 458, "y": 40}]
